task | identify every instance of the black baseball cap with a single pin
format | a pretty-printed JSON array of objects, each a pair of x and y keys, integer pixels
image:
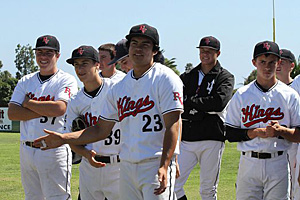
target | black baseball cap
[
  {"x": 287, "y": 54},
  {"x": 47, "y": 42},
  {"x": 84, "y": 52},
  {"x": 121, "y": 51},
  {"x": 210, "y": 42},
  {"x": 266, "y": 47},
  {"x": 144, "y": 30}
]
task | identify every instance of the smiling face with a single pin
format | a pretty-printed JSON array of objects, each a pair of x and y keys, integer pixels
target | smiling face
[
  {"x": 46, "y": 60},
  {"x": 208, "y": 56},
  {"x": 266, "y": 69},
  {"x": 86, "y": 70},
  {"x": 284, "y": 69},
  {"x": 125, "y": 64},
  {"x": 141, "y": 52}
]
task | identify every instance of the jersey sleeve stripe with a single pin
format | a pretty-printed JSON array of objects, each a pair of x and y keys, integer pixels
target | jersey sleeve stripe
[
  {"x": 63, "y": 99},
  {"x": 171, "y": 110},
  {"x": 295, "y": 126},
  {"x": 17, "y": 103},
  {"x": 107, "y": 119},
  {"x": 231, "y": 125}
]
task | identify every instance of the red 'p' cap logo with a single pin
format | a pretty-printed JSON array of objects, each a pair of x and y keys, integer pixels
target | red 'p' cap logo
[
  {"x": 266, "y": 46},
  {"x": 143, "y": 28},
  {"x": 80, "y": 51},
  {"x": 207, "y": 41},
  {"x": 45, "y": 40}
]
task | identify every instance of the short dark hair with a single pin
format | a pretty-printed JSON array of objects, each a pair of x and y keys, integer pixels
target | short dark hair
[{"x": 109, "y": 47}]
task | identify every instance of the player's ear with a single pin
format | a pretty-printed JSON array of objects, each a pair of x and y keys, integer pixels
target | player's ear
[
  {"x": 57, "y": 55},
  {"x": 218, "y": 53},
  {"x": 254, "y": 62},
  {"x": 292, "y": 66},
  {"x": 97, "y": 66}
]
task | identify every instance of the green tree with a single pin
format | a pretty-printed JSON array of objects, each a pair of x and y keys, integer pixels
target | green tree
[
  {"x": 24, "y": 60},
  {"x": 7, "y": 86},
  {"x": 296, "y": 70},
  {"x": 171, "y": 64},
  {"x": 251, "y": 77}
]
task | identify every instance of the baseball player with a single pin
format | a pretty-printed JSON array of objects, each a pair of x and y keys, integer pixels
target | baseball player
[
  {"x": 283, "y": 73},
  {"x": 122, "y": 57},
  {"x": 147, "y": 103},
  {"x": 264, "y": 168},
  {"x": 39, "y": 101},
  {"x": 106, "y": 54},
  {"x": 207, "y": 90},
  {"x": 288, "y": 60},
  {"x": 94, "y": 182}
]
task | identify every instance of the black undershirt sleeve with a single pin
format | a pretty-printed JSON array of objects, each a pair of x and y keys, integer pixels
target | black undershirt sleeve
[{"x": 236, "y": 134}]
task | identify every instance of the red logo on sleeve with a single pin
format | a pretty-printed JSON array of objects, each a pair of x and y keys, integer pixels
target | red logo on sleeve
[
  {"x": 68, "y": 90},
  {"x": 177, "y": 97}
]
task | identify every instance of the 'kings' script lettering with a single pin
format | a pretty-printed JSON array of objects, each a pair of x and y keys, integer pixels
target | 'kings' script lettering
[
  {"x": 127, "y": 107},
  {"x": 254, "y": 114}
]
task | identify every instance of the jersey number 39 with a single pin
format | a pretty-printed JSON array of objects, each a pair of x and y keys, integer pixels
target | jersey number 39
[{"x": 113, "y": 137}]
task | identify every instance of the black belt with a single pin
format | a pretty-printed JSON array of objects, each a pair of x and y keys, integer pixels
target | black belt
[
  {"x": 30, "y": 144},
  {"x": 264, "y": 155},
  {"x": 105, "y": 159}
]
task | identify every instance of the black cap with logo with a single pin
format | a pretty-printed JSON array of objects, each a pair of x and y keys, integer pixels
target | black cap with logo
[
  {"x": 210, "y": 42},
  {"x": 287, "y": 54},
  {"x": 266, "y": 47},
  {"x": 84, "y": 52},
  {"x": 144, "y": 30},
  {"x": 121, "y": 51},
  {"x": 47, "y": 42}
]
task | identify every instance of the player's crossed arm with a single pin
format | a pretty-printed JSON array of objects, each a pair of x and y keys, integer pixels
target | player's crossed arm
[
  {"x": 257, "y": 132},
  {"x": 19, "y": 113},
  {"x": 239, "y": 134},
  {"x": 290, "y": 134},
  {"x": 45, "y": 108},
  {"x": 274, "y": 129}
]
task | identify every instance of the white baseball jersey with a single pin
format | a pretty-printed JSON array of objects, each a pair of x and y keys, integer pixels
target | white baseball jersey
[
  {"x": 85, "y": 105},
  {"x": 60, "y": 86},
  {"x": 250, "y": 107},
  {"x": 296, "y": 84},
  {"x": 116, "y": 77},
  {"x": 139, "y": 105}
]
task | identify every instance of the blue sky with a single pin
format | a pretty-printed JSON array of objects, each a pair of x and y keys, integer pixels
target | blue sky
[{"x": 238, "y": 24}]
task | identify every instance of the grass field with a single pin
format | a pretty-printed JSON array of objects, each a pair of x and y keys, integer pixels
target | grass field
[{"x": 10, "y": 177}]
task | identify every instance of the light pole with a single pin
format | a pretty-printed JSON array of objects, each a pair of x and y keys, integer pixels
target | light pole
[{"x": 273, "y": 21}]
